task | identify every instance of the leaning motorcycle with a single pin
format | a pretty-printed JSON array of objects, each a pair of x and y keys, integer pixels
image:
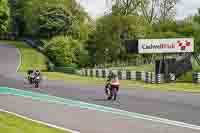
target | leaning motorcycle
[
  {"x": 111, "y": 91},
  {"x": 114, "y": 91}
]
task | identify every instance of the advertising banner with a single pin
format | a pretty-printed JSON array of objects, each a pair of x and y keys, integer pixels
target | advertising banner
[{"x": 178, "y": 45}]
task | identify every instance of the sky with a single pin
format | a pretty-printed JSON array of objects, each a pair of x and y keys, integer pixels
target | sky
[{"x": 97, "y": 8}]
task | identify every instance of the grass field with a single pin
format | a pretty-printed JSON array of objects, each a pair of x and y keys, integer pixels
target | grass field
[
  {"x": 147, "y": 68},
  {"x": 28, "y": 54},
  {"x": 13, "y": 124},
  {"x": 30, "y": 57}
]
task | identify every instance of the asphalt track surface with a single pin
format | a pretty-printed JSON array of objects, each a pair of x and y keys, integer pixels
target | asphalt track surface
[{"x": 183, "y": 107}]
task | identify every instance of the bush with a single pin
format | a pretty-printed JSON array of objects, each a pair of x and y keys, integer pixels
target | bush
[
  {"x": 64, "y": 51},
  {"x": 70, "y": 70},
  {"x": 59, "y": 51}
]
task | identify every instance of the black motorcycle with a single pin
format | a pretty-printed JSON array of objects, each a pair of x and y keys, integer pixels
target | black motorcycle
[
  {"x": 37, "y": 81},
  {"x": 107, "y": 89}
]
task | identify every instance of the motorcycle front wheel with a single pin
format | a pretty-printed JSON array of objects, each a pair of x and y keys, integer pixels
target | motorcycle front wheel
[{"x": 36, "y": 84}]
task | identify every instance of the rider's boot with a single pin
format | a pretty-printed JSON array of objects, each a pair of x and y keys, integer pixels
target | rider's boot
[
  {"x": 111, "y": 95},
  {"x": 109, "y": 98},
  {"x": 115, "y": 98}
]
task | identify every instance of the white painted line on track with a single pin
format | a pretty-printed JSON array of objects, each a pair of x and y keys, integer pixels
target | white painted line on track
[
  {"x": 123, "y": 113},
  {"x": 40, "y": 122},
  {"x": 20, "y": 60},
  {"x": 84, "y": 105}
]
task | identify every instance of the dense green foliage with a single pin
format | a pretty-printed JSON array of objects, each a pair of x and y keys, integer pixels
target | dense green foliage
[
  {"x": 110, "y": 33},
  {"x": 53, "y": 21},
  {"x": 70, "y": 36},
  {"x": 47, "y": 18},
  {"x": 63, "y": 50},
  {"x": 197, "y": 30},
  {"x": 4, "y": 15}
]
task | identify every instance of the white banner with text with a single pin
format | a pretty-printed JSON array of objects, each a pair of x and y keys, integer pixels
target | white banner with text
[{"x": 178, "y": 45}]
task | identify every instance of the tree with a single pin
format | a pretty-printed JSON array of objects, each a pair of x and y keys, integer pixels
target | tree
[
  {"x": 172, "y": 29},
  {"x": 158, "y": 10},
  {"x": 48, "y": 15},
  {"x": 197, "y": 17},
  {"x": 197, "y": 31},
  {"x": 110, "y": 31},
  {"x": 148, "y": 9},
  {"x": 167, "y": 9},
  {"x": 125, "y": 7},
  {"x": 4, "y": 15},
  {"x": 54, "y": 21}
]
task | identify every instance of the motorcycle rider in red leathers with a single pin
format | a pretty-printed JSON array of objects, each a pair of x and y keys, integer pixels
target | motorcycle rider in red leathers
[{"x": 114, "y": 86}]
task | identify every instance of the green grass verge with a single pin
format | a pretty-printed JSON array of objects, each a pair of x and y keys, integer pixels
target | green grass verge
[
  {"x": 74, "y": 78},
  {"x": 147, "y": 68},
  {"x": 13, "y": 124},
  {"x": 30, "y": 58},
  {"x": 125, "y": 84}
]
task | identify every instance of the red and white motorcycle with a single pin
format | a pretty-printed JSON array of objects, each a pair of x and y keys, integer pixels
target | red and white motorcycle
[{"x": 111, "y": 89}]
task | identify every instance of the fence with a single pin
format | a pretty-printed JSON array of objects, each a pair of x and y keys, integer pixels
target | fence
[
  {"x": 148, "y": 77},
  {"x": 196, "y": 77},
  {"x": 8, "y": 36}
]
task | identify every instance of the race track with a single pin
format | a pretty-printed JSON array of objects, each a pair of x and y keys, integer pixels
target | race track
[
  {"x": 183, "y": 107},
  {"x": 9, "y": 59}
]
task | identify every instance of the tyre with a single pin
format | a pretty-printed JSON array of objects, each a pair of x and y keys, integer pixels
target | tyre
[
  {"x": 36, "y": 84},
  {"x": 115, "y": 93}
]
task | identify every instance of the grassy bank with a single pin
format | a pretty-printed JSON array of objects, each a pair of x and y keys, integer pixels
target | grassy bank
[{"x": 13, "y": 124}]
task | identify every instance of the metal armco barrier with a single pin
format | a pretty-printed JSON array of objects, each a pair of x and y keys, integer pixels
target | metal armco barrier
[
  {"x": 119, "y": 73},
  {"x": 138, "y": 75},
  {"x": 103, "y": 74},
  {"x": 107, "y": 73},
  {"x": 128, "y": 75},
  {"x": 196, "y": 77},
  {"x": 148, "y": 77},
  {"x": 159, "y": 78},
  {"x": 91, "y": 72},
  {"x": 124, "y": 76},
  {"x": 94, "y": 72},
  {"x": 143, "y": 75},
  {"x": 86, "y": 72},
  {"x": 153, "y": 79},
  {"x": 100, "y": 73},
  {"x": 97, "y": 73},
  {"x": 133, "y": 75}
]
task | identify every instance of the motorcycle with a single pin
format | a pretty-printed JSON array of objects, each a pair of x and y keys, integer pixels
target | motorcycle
[
  {"x": 107, "y": 89},
  {"x": 37, "y": 81},
  {"x": 31, "y": 79},
  {"x": 111, "y": 91}
]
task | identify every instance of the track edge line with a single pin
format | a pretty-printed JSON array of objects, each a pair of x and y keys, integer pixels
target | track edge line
[{"x": 40, "y": 122}]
